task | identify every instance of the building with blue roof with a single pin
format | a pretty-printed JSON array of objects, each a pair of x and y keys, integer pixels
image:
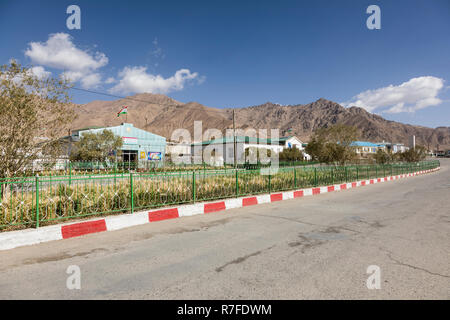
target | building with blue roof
[{"x": 365, "y": 147}]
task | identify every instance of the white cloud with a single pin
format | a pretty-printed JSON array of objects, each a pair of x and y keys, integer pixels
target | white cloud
[
  {"x": 91, "y": 81},
  {"x": 137, "y": 80},
  {"x": 60, "y": 52},
  {"x": 415, "y": 94},
  {"x": 73, "y": 75},
  {"x": 40, "y": 72}
]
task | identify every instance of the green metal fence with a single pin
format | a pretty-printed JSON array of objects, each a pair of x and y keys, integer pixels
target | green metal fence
[
  {"x": 34, "y": 201},
  {"x": 68, "y": 168}
]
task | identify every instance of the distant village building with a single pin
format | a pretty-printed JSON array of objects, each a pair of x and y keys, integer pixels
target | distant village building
[
  {"x": 365, "y": 147},
  {"x": 222, "y": 149},
  {"x": 394, "y": 147}
]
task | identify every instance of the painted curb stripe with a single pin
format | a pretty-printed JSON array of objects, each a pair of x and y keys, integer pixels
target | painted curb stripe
[
  {"x": 233, "y": 203},
  {"x": 82, "y": 228},
  {"x": 298, "y": 194},
  {"x": 265, "y": 198},
  {"x": 288, "y": 195},
  {"x": 249, "y": 201},
  {"x": 163, "y": 214},
  {"x": 276, "y": 197},
  {"x": 126, "y": 220},
  {"x": 213, "y": 207}
]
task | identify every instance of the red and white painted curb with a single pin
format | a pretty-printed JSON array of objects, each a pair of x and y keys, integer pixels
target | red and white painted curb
[{"x": 13, "y": 239}]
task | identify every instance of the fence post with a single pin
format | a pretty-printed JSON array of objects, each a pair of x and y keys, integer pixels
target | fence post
[
  {"x": 70, "y": 173},
  {"x": 315, "y": 176},
  {"x": 357, "y": 173},
  {"x": 270, "y": 186},
  {"x": 193, "y": 185},
  {"x": 237, "y": 184},
  {"x": 37, "y": 200},
  {"x": 346, "y": 174},
  {"x": 131, "y": 190},
  {"x": 115, "y": 172},
  {"x": 332, "y": 175},
  {"x": 295, "y": 178}
]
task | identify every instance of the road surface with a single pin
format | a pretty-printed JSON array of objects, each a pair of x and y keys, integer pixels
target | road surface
[{"x": 309, "y": 248}]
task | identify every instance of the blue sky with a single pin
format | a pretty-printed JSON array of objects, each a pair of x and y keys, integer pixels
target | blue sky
[{"x": 243, "y": 53}]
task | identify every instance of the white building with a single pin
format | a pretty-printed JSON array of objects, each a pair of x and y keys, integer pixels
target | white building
[
  {"x": 394, "y": 147},
  {"x": 294, "y": 142},
  {"x": 218, "y": 151}
]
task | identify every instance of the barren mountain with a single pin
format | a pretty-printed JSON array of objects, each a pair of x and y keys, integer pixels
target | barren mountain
[{"x": 162, "y": 115}]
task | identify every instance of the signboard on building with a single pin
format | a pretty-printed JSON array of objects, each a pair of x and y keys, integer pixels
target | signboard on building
[
  {"x": 129, "y": 140},
  {"x": 142, "y": 155},
  {"x": 154, "y": 155}
]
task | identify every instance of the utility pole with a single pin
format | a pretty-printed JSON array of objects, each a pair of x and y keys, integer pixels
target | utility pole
[{"x": 234, "y": 138}]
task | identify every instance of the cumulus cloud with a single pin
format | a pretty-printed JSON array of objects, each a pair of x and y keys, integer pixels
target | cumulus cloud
[
  {"x": 91, "y": 81},
  {"x": 40, "y": 72},
  {"x": 60, "y": 52},
  {"x": 415, "y": 94},
  {"x": 137, "y": 80}
]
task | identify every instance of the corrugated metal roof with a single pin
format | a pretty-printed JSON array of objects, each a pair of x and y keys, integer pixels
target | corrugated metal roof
[{"x": 364, "y": 144}]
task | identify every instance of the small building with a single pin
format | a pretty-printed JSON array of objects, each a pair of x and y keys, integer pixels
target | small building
[
  {"x": 294, "y": 142},
  {"x": 393, "y": 147},
  {"x": 137, "y": 145},
  {"x": 365, "y": 147}
]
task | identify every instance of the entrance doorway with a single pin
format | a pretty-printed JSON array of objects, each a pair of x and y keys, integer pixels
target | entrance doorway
[{"x": 129, "y": 155}]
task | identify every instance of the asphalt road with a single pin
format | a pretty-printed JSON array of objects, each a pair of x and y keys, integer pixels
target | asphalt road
[{"x": 309, "y": 248}]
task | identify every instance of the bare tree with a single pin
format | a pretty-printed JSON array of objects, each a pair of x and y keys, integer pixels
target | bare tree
[{"x": 34, "y": 113}]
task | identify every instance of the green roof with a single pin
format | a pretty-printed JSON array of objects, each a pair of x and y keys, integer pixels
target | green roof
[
  {"x": 87, "y": 128},
  {"x": 240, "y": 139}
]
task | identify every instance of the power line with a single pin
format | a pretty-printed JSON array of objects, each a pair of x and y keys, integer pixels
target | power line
[{"x": 120, "y": 97}]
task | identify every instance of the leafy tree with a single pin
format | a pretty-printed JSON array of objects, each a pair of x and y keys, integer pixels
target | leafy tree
[
  {"x": 97, "y": 146},
  {"x": 333, "y": 144},
  {"x": 291, "y": 154},
  {"x": 383, "y": 157},
  {"x": 416, "y": 154},
  {"x": 35, "y": 112}
]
